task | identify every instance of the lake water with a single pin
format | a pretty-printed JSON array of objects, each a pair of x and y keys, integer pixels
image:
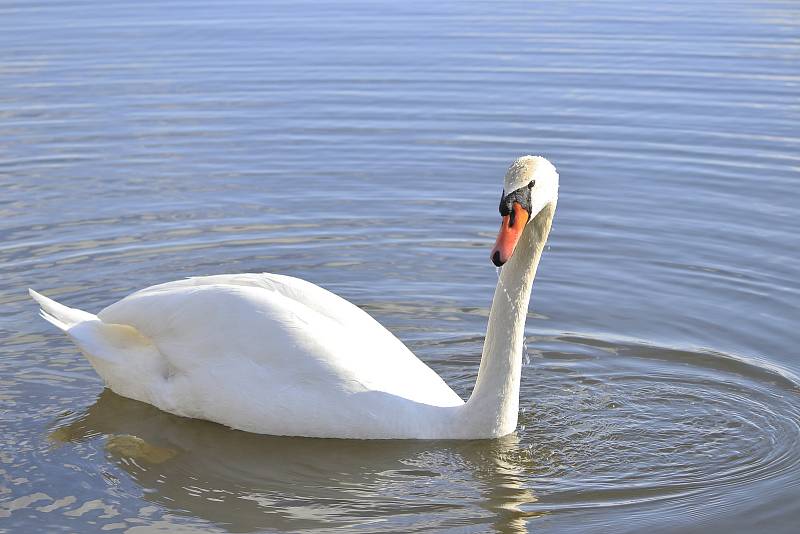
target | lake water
[{"x": 362, "y": 147}]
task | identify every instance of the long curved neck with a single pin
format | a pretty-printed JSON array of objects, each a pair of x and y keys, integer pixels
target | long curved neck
[{"x": 493, "y": 407}]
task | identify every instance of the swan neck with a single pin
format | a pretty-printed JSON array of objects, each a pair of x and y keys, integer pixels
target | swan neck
[{"x": 493, "y": 407}]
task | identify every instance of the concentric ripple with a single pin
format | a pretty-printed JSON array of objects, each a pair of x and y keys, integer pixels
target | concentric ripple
[{"x": 624, "y": 423}]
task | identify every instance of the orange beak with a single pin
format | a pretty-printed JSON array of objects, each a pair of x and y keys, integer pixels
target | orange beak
[{"x": 510, "y": 232}]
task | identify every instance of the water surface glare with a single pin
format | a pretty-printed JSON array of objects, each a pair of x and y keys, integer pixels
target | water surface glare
[{"x": 361, "y": 146}]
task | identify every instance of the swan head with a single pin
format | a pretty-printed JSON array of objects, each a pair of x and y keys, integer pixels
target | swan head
[{"x": 530, "y": 184}]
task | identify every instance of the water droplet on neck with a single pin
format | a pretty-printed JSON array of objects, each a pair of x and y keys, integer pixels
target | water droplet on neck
[{"x": 526, "y": 357}]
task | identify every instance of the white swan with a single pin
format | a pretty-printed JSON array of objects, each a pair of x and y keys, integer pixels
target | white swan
[{"x": 277, "y": 355}]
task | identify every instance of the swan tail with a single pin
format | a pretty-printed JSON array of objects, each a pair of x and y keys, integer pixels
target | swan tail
[
  {"x": 59, "y": 315},
  {"x": 111, "y": 343}
]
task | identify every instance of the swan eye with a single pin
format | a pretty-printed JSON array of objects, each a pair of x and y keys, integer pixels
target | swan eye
[{"x": 530, "y": 185}]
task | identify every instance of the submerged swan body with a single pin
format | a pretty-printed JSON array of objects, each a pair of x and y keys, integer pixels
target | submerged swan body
[{"x": 273, "y": 354}]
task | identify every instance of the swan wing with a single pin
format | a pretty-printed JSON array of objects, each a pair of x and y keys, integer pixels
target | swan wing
[{"x": 274, "y": 341}]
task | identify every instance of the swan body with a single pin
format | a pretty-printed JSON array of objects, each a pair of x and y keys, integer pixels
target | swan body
[{"x": 274, "y": 354}]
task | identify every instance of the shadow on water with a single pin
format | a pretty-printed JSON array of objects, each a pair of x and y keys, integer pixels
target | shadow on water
[{"x": 248, "y": 482}]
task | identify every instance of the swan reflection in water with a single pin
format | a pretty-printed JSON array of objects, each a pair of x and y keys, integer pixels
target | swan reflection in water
[{"x": 248, "y": 482}]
